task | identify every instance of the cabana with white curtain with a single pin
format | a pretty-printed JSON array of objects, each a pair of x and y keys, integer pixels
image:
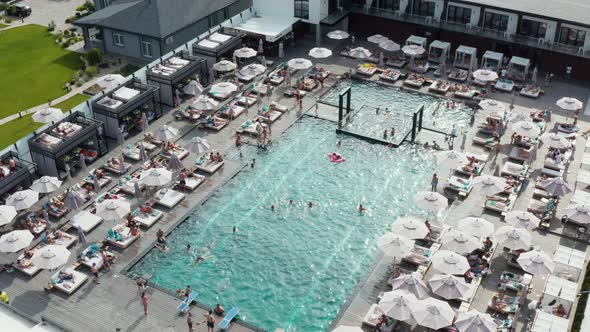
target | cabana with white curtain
[
  {"x": 569, "y": 262},
  {"x": 518, "y": 68},
  {"x": 545, "y": 322},
  {"x": 20, "y": 176},
  {"x": 438, "y": 51},
  {"x": 218, "y": 46},
  {"x": 465, "y": 57},
  {"x": 492, "y": 61},
  {"x": 417, "y": 40},
  {"x": 558, "y": 291}
]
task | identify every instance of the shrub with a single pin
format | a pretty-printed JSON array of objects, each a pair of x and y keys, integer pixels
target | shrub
[
  {"x": 91, "y": 71},
  {"x": 3, "y": 6},
  {"x": 73, "y": 81},
  {"x": 103, "y": 64},
  {"x": 94, "y": 56},
  {"x": 8, "y": 20},
  {"x": 11, "y": 10},
  {"x": 51, "y": 26},
  {"x": 66, "y": 44},
  {"x": 66, "y": 32},
  {"x": 81, "y": 8},
  {"x": 59, "y": 40},
  {"x": 78, "y": 14},
  {"x": 89, "y": 6},
  {"x": 79, "y": 82},
  {"x": 83, "y": 66},
  {"x": 71, "y": 19}
]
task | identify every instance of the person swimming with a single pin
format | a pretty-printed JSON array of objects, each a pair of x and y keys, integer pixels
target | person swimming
[
  {"x": 361, "y": 208},
  {"x": 235, "y": 229},
  {"x": 290, "y": 202},
  {"x": 189, "y": 248},
  {"x": 310, "y": 204},
  {"x": 272, "y": 208}
]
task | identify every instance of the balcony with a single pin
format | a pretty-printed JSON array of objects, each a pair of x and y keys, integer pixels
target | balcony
[{"x": 472, "y": 30}]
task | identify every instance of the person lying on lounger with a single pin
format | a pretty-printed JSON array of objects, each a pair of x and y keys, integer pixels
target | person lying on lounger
[
  {"x": 114, "y": 163},
  {"x": 23, "y": 264},
  {"x": 66, "y": 276}
]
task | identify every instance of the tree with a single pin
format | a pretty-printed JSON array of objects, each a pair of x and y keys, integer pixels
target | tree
[{"x": 94, "y": 56}]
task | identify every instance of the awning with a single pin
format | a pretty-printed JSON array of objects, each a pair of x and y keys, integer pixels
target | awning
[{"x": 271, "y": 27}]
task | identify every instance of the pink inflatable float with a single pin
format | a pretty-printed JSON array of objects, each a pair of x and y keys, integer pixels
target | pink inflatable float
[{"x": 336, "y": 158}]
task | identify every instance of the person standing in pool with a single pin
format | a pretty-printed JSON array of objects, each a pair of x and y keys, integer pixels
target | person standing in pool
[
  {"x": 253, "y": 163},
  {"x": 361, "y": 209},
  {"x": 235, "y": 230},
  {"x": 434, "y": 182},
  {"x": 310, "y": 204},
  {"x": 189, "y": 248},
  {"x": 385, "y": 134},
  {"x": 290, "y": 202}
]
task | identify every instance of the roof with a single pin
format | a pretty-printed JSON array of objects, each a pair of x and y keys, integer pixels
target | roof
[
  {"x": 493, "y": 55},
  {"x": 443, "y": 45},
  {"x": 154, "y": 18},
  {"x": 466, "y": 49}
]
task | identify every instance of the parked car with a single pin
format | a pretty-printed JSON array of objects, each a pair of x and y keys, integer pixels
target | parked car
[{"x": 22, "y": 10}]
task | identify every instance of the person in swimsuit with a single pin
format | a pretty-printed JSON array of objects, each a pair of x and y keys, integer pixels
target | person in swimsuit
[
  {"x": 189, "y": 322},
  {"x": 361, "y": 208},
  {"x": 210, "y": 320}
]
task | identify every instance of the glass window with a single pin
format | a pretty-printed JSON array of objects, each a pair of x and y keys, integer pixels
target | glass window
[
  {"x": 146, "y": 49},
  {"x": 392, "y": 5},
  {"x": 458, "y": 14},
  {"x": 423, "y": 8},
  {"x": 118, "y": 39},
  {"x": 570, "y": 36},
  {"x": 533, "y": 28},
  {"x": 494, "y": 21},
  {"x": 302, "y": 9}
]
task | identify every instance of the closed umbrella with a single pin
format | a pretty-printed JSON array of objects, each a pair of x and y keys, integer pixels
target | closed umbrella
[
  {"x": 197, "y": 145},
  {"x": 578, "y": 212},
  {"x": 395, "y": 245},
  {"x": 522, "y": 219},
  {"x": 555, "y": 141},
  {"x": 488, "y": 184},
  {"x": 260, "y": 46},
  {"x": 165, "y": 132},
  {"x": 492, "y": 106},
  {"x": 570, "y": 104},
  {"x": 50, "y": 257},
  {"x": 411, "y": 283},
  {"x": 475, "y": 321},
  {"x": 390, "y": 46},
  {"x": 319, "y": 52},
  {"x": 7, "y": 214},
  {"x": 513, "y": 238},
  {"x": 245, "y": 53},
  {"x": 459, "y": 241},
  {"x": 225, "y": 66},
  {"x": 68, "y": 172},
  {"x": 448, "y": 286},
  {"x": 95, "y": 183},
  {"x": 534, "y": 75},
  {"x": 82, "y": 240},
  {"x": 223, "y": 88},
  {"x": 450, "y": 159},
  {"x": 15, "y": 240},
  {"x": 526, "y": 128},
  {"x": 121, "y": 136},
  {"x": 73, "y": 200},
  {"x": 338, "y": 34},
  {"x": 411, "y": 227},
  {"x": 46, "y": 184},
  {"x": 113, "y": 209},
  {"x": 476, "y": 226},
  {"x": 536, "y": 262},
  {"x": 556, "y": 186},
  {"x": 253, "y": 69},
  {"x": 82, "y": 161},
  {"x": 299, "y": 63},
  {"x": 359, "y": 53},
  {"x": 204, "y": 103},
  {"x": 485, "y": 75},
  {"x": 122, "y": 166},
  {"x": 155, "y": 177},
  {"x": 194, "y": 88},
  {"x": 413, "y": 50},
  {"x": 434, "y": 314},
  {"x": 142, "y": 153},
  {"x": 137, "y": 189},
  {"x": 449, "y": 262},
  {"x": 381, "y": 60},
  {"x": 398, "y": 304},
  {"x": 144, "y": 121},
  {"x": 23, "y": 199},
  {"x": 47, "y": 115},
  {"x": 281, "y": 50},
  {"x": 430, "y": 201},
  {"x": 377, "y": 39},
  {"x": 442, "y": 68},
  {"x": 174, "y": 164}
]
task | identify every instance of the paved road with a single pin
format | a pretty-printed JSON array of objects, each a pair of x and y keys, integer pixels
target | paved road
[{"x": 44, "y": 11}]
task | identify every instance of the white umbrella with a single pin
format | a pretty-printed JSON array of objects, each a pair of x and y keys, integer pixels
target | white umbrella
[
  {"x": 145, "y": 121},
  {"x": 377, "y": 39},
  {"x": 569, "y": 104},
  {"x": 411, "y": 283},
  {"x": 204, "y": 103},
  {"x": 15, "y": 240},
  {"x": 50, "y": 257},
  {"x": 113, "y": 209},
  {"x": 165, "y": 132},
  {"x": 7, "y": 213},
  {"x": 390, "y": 46},
  {"x": 522, "y": 219},
  {"x": 223, "y": 88},
  {"x": 411, "y": 227},
  {"x": 434, "y": 314},
  {"x": 430, "y": 201},
  {"x": 338, "y": 34},
  {"x": 299, "y": 63},
  {"x": 449, "y": 262},
  {"x": 526, "y": 128},
  {"x": 359, "y": 53},
  {"x": 492, "y": 105},
  {"x": 174, "y": 164},
  {"x": 578, "y": 212},
  {"x": 398, "y": 304},
  {"x": 319, "y": 52},
  {"x": 46, "y": 184},
  {"x": 555, "y": 141},
  {"x": 485, "y": 75},
  {"x": 519, "y": 116},
  {"x": 556, "y": 186},
  {"x": 73, "y": 200},
  {"x": 155, "y": 177},
  {"x": 95, "y": 183},
  {"x": 448, "y": 286},
  {"x": 260, "y": 46},
  {"x": 47, "y": 115},
  {"x": 253, "y": 69},
  {"x": 488, "y": 184},
  {"x": 476, "y": 226},
  {"x": 536, "y": 262},
  {"x": 110, "y": 81},
  {"x": 450, "y": 159},
  {"x": 193, "y": 88},
  {"x": 23, "y": 199},
  {"x": 82, "y": 161},
  {"x": 245, "y": 52},
  {"x": 513, "y": 238},
  {"x": 413, "y": 50},
  {"x": 197, "y": 145},
  {"x": 395, "y": 245},
  {"x": 460, "y": 241},
  {"x": 475, "y": 321},
  {"x": 225, "y": 65},
  {"x": 142, "y": 153}
]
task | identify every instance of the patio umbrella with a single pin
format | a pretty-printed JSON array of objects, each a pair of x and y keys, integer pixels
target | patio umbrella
[
  {"x": 344, "y": 328},
  {"x": 526, "y": 128},
  {"x": 492, "y": 105},
  {"x": 174, "y": 164},
  {"x": 338, "y": 34},
  {"x": 121, "y": 136},
  {"x": 110, "y": 81},
  {"x": 82, "y": 161},
  {"x": 23, "y": 199},
  {"x": 476, "y": 226},
  {"x": 534, "y": 75},
  {"x": 395, "y": 245},
  {"x": 245, "y": 53},
  {"x": 522, "y": 219},
  {"x": 413, "y": 50},
  {"x": 197, "y": 145},
  {"x": 398, "y": 304},
  {"x": 7, "y": 214},
  {"x": 569, "y": 104},
  {"x": 204, "y": 103},
  {"x": 223, "y": 88},
  {"x": 15, "y": 240},
  {"x": 519, "y": 116},
  {"x": 142, "y": 153},
  {"x": 211, "y": 75},
  {"x": 377, "y": 39},
  {"x": 193, "y": 88},
  {"x": 485, "y": 75},
  {"x": 555, "y": 141},
  {"x": 450, "y": 159},
  {"x": 137, "y": 189},
  {"x": 434, "y": 314},
  {"x": 459, "y": 241},
  {"x": 299, "y": 63},
  {"x": 225, "y": 66},
  {"x": 411, "y": 283},
  {"x": 46, "y": 184},
  {"x": 389, "y": 46},
  {"x": 319, "y": 52},
  {"x": 68, "y": 172},
  {"x": 260, "y": 46},
  {"x": 381, "y": 60},
  {"x": 488, "y": 184},
  {"x": 536, "y": 262},
  {"x": 448, "y": 286},
  {"x": 47, "y": 115},
  {"x": 359, "y": 53},
  {"x": 155, "y": 177},
  {"x": 556, "y": 186},
  {"x": 410, "y": 227},
  {"x": 165, "y": 132},
  {"x": 144, "y": 121},
  {"x": 95, "y": 183},
  {"x": 122, "y": 166},
  {"x": 514, "y": 238},
  {"x": 113, "y": 209},
  {"x": 430, "y": 201},
  {"x": 579, "y": 212},
  {"x": 50, "y": 257},
  {"x": 281, "y": 50},
  {"x": 475, "y": 321},
  {"x": 449, "y": 262},
  {"x": 253, "y": 69},
  {"x": 73, "y": 200},
  {"x": 82, "y": 240},
  {"x": 442, "y": 68}
]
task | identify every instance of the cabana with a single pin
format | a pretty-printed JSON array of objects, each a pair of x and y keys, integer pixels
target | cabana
[
  {"x": 518, "y": 68},
  {"x": 122, "y": 110},
  {"x": 218, "y": 46},
  {"x": 465, "y": 57},
  {"x": 558, "y": 291},
  {"x": 21, "y": 176},
  {"x": 62, "y": 143},
  {"x": 417, "y": 40},
  {"x": 438, "y": 51},
  {"x": 492, "y": 61},
  {"x": 569, "y": 262},
  {"x": 174, "y": 73}
]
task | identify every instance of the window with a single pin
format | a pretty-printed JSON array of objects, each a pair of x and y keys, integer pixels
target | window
[
  {"x": 146, "y": 49},
  {"x": 458, "y": 14},
  {"x": 570, "y": 36},
  {"x": 423, "y": 8},
  {"x": 392, "y": 5},
  {"x": 494, "y": 21},
  {"x": 302, "y": 9},
  {"x": 532, "y": 28},
  {"x": 118, "y": 39}
]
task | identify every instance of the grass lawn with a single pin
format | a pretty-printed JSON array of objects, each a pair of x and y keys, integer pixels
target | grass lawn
[
  {"x": 14, "y": 130},
  {"x": 33, "y": 68},
  {"x": 3, "y": 25}
]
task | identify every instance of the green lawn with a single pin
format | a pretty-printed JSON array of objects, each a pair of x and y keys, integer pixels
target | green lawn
[
  {"x": 3, "y": 25},
  {"x": 33, "y": 68},
  {"x": 14, "y": 130}
]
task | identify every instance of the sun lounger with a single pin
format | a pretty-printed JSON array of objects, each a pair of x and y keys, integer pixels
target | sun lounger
[
  {"x": 185, "y": 305},
  {"x": 225, "y": 323},
  {"x": 373, "y": 316},
  {"x": 244, "y": 78},
  {"x": 501, "y": 207},
  {"x": 126, "y": 238},
  {"x": 147, "y": 220},
  {"x": 366, "y": 69},
  {"x": 504, "y": 85},
  {"x": 580, "y": 196},
  {"x": 461, "y": 185},
  {"x": 86, "y": 220},
  {"x": 418, "y": 256},
  {"x": 30, "y": 270},
  {"x": 531, "y": 92},
  {"x": 516, "y": 170},
  {"x": 439, "y": 86},
  {"x": 246, "y": 101},
  {"x": 551, "y": 172},
  {"x": 180, "y": 153},
  {"x": 128, "y": 185},
  {"x": 515, "y": 281},
  {"x": 539, "y": 207},
  {"x": 415, "y": 82},
  {"x": 132, "y": 154},
  {"x": 396, "y": 63},
  {"x": 390, "y": 75},
  {"x": 488, "y": 140},
  {"x": 208, "y": 166},
  {"x": 249, "y": 127},
  {"x": 168, "y": 197},
  {"x": 540, "y": 193},
  {"x": 149, "y": 147},
  {"x": 260, "y": 89},
  {"x": 521, "y": 154},
  {"x": 458, "y": 75},
  {"x": 272, "y": 116},
  {"x": 91, "y": 255},
  {"x": 276, "y": 79},
  {"x": 564, "y": 129},
  {"x": 217, "y": 127},
  {"x": 290, "y": 92},
  {"x": 507, "y": 305},
  {"x": 278, "y": 107},
  {"x": 102, "y": 182},
  {"x": 231, "y": 112},
  {"x": 71, "y": 285},
  {"x": 117, "y": 170},
  {"x": 475, "y": 169},
  {"x": 66, "y": 240}
]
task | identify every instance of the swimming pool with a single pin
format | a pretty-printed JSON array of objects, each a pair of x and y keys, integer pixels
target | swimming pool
[{"x": 295, "y": 267}]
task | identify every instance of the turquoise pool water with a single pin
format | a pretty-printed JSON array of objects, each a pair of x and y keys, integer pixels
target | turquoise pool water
[{"x": 295, "y": 267}]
